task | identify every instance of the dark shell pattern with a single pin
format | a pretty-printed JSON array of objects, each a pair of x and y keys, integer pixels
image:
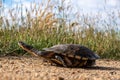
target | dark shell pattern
[{"x": 73, "y": 49}]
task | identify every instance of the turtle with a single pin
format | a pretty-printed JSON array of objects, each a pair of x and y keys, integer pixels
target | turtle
[{"x": 65, "y": 55}]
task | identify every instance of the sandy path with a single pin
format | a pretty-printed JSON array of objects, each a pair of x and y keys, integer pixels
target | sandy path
[{"x": 32, "y": 68}]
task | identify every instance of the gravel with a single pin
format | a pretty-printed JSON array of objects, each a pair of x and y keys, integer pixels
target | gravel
[{"x": 34, "y": 68}]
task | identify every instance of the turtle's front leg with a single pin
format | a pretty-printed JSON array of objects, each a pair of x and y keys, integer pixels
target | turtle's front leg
[{"x": 58, "y": 60}]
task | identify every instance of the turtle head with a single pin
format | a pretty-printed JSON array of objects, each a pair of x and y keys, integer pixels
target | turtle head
[{"x": 21, "y": 43}]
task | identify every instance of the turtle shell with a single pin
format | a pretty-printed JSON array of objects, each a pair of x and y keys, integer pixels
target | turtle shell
[
  {"x": 73, "y": 55},
  {"x": 73, "y": 50}
]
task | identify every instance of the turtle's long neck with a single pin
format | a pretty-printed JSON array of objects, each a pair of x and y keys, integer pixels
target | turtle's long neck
[{"x": 34, "y": 51}]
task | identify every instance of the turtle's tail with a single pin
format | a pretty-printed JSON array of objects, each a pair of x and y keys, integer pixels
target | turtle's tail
[{"x": 29, "y": 49}]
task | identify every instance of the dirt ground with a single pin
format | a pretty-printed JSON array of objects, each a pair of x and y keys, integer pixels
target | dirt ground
[{"x": 34, "y": 68}]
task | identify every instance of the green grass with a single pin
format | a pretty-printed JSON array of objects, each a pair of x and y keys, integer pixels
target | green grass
[
  {"x": 105, "y": 46},
  {"x": 44, "y": 32}
]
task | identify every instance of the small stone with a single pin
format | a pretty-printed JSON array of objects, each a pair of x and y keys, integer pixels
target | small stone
[
  {"x": 73, "y": 72},
  {"x": 112, "y": 72},
  {"x": 12, "y": 62},
  {"x": 60, "y": 78},
  {"x": 28, "y": 71},
  {"x": 0, "y": 66}
]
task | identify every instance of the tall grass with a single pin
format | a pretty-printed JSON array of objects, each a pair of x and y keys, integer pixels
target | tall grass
[{"x": 45, "y": 29}]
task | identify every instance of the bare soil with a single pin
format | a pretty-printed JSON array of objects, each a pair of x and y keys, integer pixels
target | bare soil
[{"x": 34, "y": 68}]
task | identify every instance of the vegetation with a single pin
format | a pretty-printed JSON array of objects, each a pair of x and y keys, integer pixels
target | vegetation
[{"x": 41, "y": 27}]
